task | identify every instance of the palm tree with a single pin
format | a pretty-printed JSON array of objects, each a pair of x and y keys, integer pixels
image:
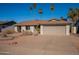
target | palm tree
[
  {"x": 30, "y": 8},
  {"x": 52, "y": 7},
  {"x": 71, "y": 14},
  {"x": 40, "y": 11},
  {"x": 77, "y": 13},
  {"x": 34, "y": 5}
]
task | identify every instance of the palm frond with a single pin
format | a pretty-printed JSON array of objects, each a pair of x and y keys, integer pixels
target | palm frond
[
  {"x": 52, "y": 7},
  {"x": 34, "y": 5},
  {"x": 40, "y": 11}
]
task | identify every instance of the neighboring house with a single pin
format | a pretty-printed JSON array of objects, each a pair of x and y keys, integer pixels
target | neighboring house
[
  {"x": 6, "y": 24},
  {"x": 9, "y": 28},
  {"x": 46, "y": 27}
]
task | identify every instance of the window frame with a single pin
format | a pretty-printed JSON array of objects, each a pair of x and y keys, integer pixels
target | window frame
[{"x": 27, "y": 27}]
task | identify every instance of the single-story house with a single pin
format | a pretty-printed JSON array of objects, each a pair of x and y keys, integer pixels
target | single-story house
[{"x": 46, "y": 27}]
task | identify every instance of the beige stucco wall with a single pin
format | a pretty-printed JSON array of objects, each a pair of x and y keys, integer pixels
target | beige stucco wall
[
  {"x": 54, "y": 30},
  {"x": 32, "y": 29},
  {"x": 74, "y": 29},
  {"x": 41, "y": 30},
  {"x": 67, "y": 29},
  {"x": 23, "y": 28},
  {"x": 16, "y": 29},
  {"x": 50, "y": 30}
]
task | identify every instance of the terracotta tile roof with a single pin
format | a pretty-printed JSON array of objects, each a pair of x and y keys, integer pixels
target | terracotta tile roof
[{"x": 35, "y": 22}]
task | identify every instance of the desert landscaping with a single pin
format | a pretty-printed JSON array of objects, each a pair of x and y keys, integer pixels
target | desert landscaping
[
  {"x": 39, "y": 29},
  {"x": 40, "y": 45}
]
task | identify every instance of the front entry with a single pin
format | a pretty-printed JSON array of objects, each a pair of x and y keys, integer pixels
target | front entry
[{"x": 19, "y": 28}]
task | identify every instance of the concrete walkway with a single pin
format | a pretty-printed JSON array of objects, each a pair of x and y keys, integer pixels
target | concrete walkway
[{"x": 43, "y": 45}]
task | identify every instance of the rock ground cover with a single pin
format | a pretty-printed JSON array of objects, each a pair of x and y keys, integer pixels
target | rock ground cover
[{"x": 43, "y": 45}]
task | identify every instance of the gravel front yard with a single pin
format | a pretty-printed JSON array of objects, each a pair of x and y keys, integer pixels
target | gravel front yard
[{"x": 42, "y": 45}]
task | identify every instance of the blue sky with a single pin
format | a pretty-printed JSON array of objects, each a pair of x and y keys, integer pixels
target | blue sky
[{"x": 20, "y": 11}]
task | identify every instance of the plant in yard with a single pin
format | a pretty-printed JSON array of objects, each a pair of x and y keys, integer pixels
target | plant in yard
[
  {"x": 37, "y": 27},
  {"x": 73, "y": 15}
]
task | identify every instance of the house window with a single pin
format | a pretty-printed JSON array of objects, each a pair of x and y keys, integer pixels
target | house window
[{"x": 27, "y": 27}]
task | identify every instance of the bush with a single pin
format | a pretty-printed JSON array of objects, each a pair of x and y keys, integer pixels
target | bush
[{"x": 9, "y": 31}]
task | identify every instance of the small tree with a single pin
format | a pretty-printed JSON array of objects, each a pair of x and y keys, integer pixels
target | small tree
[{"x": 73, "y": 14}]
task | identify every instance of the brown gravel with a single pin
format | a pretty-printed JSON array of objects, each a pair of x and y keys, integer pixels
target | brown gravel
[{"x": 42, "y": 45}]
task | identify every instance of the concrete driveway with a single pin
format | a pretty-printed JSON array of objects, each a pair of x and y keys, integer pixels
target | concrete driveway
[{"x": 42, "y": 45}]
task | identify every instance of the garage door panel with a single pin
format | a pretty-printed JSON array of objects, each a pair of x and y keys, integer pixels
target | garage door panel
[{"x": 54, "y": 30}]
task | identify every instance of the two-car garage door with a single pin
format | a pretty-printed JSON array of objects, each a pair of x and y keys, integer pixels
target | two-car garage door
[{"x": 54, "y": 30}]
